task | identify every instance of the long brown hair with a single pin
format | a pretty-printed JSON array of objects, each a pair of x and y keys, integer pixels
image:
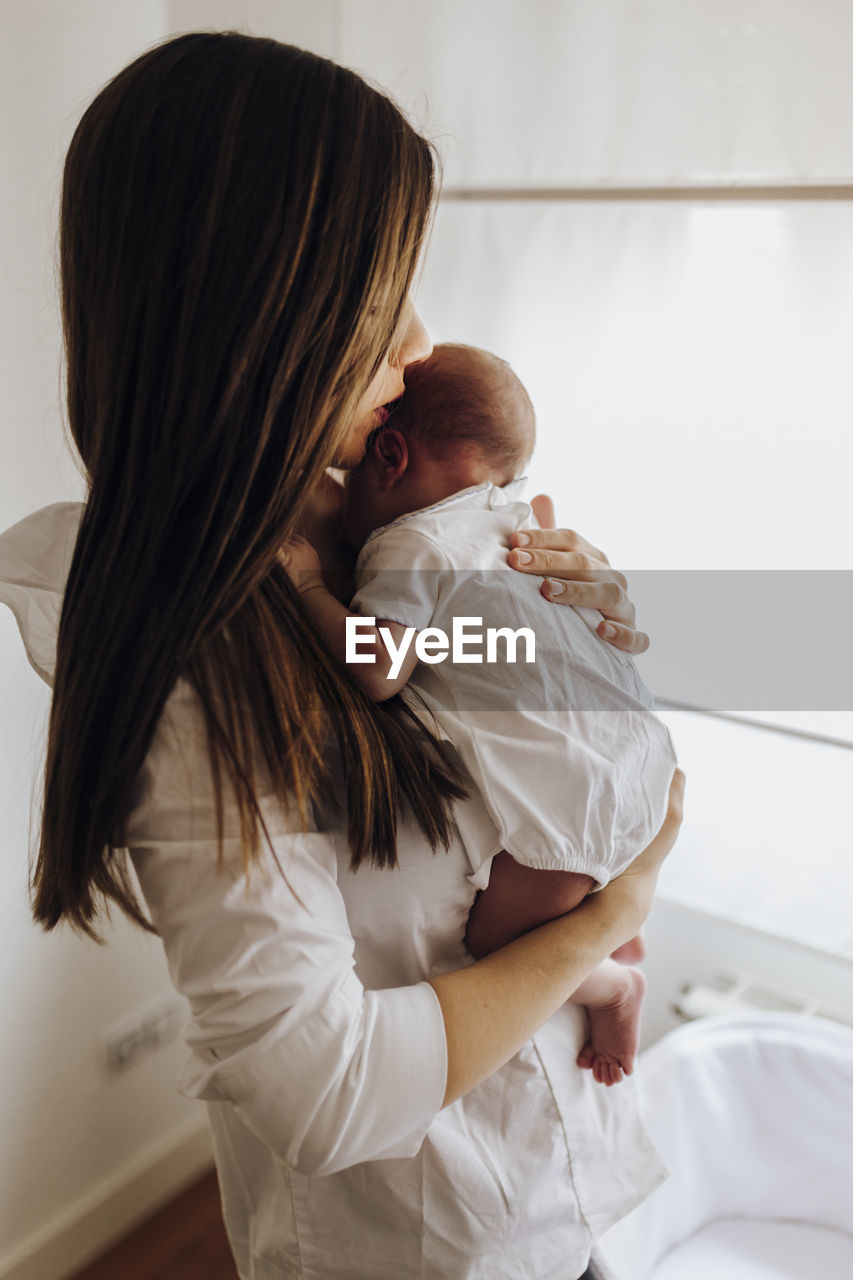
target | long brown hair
[{"x": 240, "y": 223}]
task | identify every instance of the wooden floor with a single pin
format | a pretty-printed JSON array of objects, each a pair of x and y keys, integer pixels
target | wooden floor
[{"x": 184, "y": 1241}]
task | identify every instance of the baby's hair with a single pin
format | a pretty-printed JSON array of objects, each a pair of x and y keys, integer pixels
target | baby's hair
[{"x": 464, "y": 398}]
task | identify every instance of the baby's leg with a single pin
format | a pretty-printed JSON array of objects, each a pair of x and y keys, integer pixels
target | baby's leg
[
  {"x": 613, "y": 995},
  {"x": 517, "y": 899}
]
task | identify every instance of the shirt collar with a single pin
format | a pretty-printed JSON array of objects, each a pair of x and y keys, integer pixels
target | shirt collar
[{"x": 477, "y": 497}]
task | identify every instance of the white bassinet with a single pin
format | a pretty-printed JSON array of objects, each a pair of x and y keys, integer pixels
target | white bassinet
[{"x": 753, "y": 1115}]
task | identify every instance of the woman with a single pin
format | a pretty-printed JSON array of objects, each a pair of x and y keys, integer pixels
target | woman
[{"x": 240, "y": 225}]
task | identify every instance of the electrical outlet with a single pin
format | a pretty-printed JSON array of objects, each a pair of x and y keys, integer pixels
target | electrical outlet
[{"x": 150, "y": 1028}]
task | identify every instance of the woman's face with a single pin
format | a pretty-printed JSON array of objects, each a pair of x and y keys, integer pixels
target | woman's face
[{"x": 411, "y": 343}]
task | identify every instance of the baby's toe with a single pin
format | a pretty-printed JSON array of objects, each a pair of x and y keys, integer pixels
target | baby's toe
[{"x": 586, "y": 1057}]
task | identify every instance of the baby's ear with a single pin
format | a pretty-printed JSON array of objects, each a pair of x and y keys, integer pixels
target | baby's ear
[{"x": 391, "y": 452}]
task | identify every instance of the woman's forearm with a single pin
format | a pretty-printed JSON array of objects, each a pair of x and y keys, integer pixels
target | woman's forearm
[{"x": 491, "y": 1008}]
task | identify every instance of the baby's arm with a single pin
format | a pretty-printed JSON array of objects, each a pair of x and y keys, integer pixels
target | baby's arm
[{"x": 329, "y": 616}]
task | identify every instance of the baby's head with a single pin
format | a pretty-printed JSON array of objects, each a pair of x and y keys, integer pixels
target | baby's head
[{"x": 464, "y": 418}]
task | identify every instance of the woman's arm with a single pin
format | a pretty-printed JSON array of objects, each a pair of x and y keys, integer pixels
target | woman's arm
[{"x": 493, "y": 1007}]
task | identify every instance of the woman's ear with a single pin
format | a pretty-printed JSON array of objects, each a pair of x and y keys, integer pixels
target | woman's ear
[{"x": 391, "y": 454}]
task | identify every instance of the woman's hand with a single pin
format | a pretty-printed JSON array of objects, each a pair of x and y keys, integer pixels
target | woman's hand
[
  {"x": 577, "y": 573},
  {"x": 636, "y": 885}
]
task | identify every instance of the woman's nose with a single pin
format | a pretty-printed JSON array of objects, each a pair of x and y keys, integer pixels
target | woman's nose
[{"x": 416, "y": 344}]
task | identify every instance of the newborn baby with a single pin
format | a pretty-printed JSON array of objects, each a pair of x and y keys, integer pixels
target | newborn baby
[{"x": 553, "y": 724}]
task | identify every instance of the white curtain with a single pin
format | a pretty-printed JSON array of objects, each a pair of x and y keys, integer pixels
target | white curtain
[
  {"x": 612, "y": 92},
  {"x": 689, "y": 364}
]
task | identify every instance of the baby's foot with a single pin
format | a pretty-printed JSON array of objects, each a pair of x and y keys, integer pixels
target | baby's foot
[{"x": 614, "y": 1031}]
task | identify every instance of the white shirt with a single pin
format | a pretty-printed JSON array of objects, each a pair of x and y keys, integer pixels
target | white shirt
[
  {"x": 319, "y": 1047},
  {"x": 573, "y": 765}
]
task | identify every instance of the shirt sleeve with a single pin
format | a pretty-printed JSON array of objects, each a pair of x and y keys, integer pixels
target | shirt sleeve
[
  {"x": 34, "y": 558},
  {"x": 324, "y": 1072},
  {"x": 399, "y": 574}
]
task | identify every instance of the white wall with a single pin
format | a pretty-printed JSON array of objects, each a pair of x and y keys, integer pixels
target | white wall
[
  {"x": 312, "y": 24},
  {"x": 72, "y": 1134}
]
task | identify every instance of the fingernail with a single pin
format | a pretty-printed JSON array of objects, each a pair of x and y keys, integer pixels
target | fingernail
[
  {"x": 523, "y": 557},
  {"x": 523, "y": 539},
  {"x": 555, "y": 587},
  {"x": 608, "y": 630}
]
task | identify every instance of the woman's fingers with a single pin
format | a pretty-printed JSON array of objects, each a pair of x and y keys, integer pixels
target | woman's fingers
[
  {"x": 660, "y": 847},
  {"x": 635, "y": 886},
  {"x": 558, "y": 562},
  {"x": 606, "y": 592},
  {"x": 550, "y": 539},
  {"x": 543, "y": 509},
  {"x": 579, "y": 574},
  {"x": 622, "y": 637},
  {"x": 657, "y": 850},
  {"x": 675, "y": 807}
]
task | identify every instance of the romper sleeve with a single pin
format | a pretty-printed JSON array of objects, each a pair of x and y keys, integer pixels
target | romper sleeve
[
  {"x": 324, "y": 1072},
  {"x": 399, "y": 573}
]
